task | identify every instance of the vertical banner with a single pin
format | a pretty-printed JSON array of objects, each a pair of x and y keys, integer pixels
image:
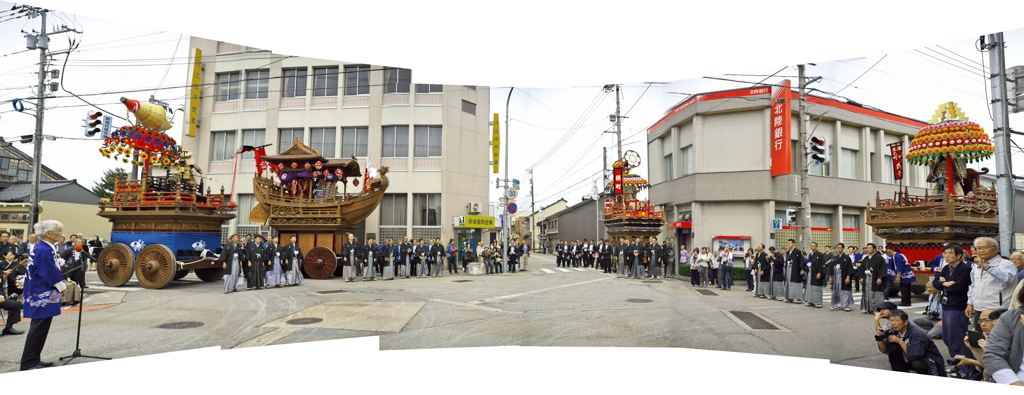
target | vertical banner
[
  {"x": 193, "y": 101},
  {"x": 618, "y": 180},
  {"x": 779, "y": 121},
  {"x": 897, "y": 160},
  {"x": 495, "y": 144}
]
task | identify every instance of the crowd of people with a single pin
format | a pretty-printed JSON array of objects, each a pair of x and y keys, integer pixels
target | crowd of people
[{"x": 635, "y": 260}]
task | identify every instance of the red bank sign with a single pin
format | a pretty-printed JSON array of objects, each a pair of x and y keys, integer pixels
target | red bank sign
[{"x": 779, "y": 125}]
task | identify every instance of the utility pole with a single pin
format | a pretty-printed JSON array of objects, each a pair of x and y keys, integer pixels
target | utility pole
[
  {"x": 804, "y": 220},
  {"x": 508, "y": 184},
  {"x": 533, "y": 214},
  {"x": 618, "y": 122},
  {"x": 1001, "y": 138},
  {"x": 37, "y": 139}
]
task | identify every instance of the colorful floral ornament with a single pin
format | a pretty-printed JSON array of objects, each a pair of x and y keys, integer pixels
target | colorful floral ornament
[{"x": 966, "y": 140}]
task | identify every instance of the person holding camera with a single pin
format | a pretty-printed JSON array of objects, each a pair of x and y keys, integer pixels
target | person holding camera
[
  {"x": 954, "y": 281},
  {"x": 931, "y": 321},
  {"x": 908, "y": 347},
  {"x": 989, "y": 318}
]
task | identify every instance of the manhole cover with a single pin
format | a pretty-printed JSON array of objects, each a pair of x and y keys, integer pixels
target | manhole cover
[
  {"x": 304, "y": 321},
  {"x": 651, "y": 282},
  {"x": 461, "y": 281},
  {"x": 333, "y": 291},
  {"x": 707, "y": 292},
  {"x": 181, "y": 325},
  {"x": 753, "y": 321},
  {"x": 639, "y": 300}
]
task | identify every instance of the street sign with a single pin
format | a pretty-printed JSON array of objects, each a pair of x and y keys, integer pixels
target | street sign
[
  {"x": 776, "y": 224},
  {"x": 512, "y": 193},
  {"x": 512, "y": 208}
]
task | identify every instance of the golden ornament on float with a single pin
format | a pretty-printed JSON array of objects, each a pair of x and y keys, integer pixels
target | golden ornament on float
[{"x": 149, "y": 115}]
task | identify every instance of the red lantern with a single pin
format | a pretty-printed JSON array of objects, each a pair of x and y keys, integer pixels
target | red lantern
[
  {"x": 355, "y": 182},
  {"x": 319, "y": 165},
  {"x": 338, "y": 172},
  {"x": 295, "y": 165},
  {"x": 307, "y": 166},
  {"x": 316, "y": 174}
]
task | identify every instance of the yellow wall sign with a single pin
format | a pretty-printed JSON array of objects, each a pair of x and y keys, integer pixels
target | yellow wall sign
[
  {"x": 495, "y": 144},
  {"x": 474, "y": 221},
  {"x": 193, "y": 101}
]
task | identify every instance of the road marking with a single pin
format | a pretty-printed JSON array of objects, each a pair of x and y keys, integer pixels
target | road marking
[
  {"x": 581, "y": 270},
  {"x": 536, "y": 291},
  {"x": 564, "y": 270},
  {"x": 548, "y": 271}
]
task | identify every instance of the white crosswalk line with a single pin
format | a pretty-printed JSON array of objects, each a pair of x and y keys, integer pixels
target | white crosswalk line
[
  {"x": 580, "y": 269},
  {"x": 564, "y": 270},
  {"x": 549, "y": 271}
]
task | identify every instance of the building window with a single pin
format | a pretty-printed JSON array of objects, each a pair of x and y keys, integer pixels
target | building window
[
  {"x": 286, "y": 138},
  {"x": 392, "y": 209},
  {"x": 395, "y": 142},
  {"x": 5, "y": 163},
  {"x": 253, "y": 138},
  {"x": 397, "y": 80},
  {"x": 322, "y": 140},
  {"x": 223, "y": 145},
  {"x": 294, "y": 83},
  {"x": 228, "y": 86},
  {"x": 470, "y": 87},
  {"x": 357, "y": 80},
  {"x": 849, "y": 164},
  {"x": 426, "y": 210},
  {"x": 257, "y": 83},
  {"x": 468, "y": 107},
  {"x": 353, "y": 142},
  {"x": 667, "y": 168},
  {"x": 685, "y": 157},
  {"x": 887, "y": 176},
  {"x": 851, "y": 221},
  {"x": 246, "y": 202},
  {"x": 821, "y": 220},
  {"x": 427, "y": 141},
  {"x": 325, "y": 81},
  {"x": 24, "y": 174},
  {"x": 429, "y": 88}
]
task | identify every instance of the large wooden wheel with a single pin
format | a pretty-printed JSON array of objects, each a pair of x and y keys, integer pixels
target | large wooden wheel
[
  {"x": 181, "y": 274},
  {"x": 210, "y": 275},
  {"x": 155, "y": 266},
  {"x": 115, "y": 265},
  {"x": 320, "y": 263}
]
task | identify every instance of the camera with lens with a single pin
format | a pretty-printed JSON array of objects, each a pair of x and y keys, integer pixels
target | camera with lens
[
  {"x": 932, "y": 314},
  {"x": 885, "y": 334},
  {"x": 952, "y": 361}
]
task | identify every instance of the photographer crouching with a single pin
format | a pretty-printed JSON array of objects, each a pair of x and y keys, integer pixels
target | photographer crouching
[{"x": 908, "y": 347}]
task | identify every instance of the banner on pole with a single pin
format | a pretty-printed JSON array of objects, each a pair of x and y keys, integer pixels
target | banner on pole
[{"x": 897, "y": 160}]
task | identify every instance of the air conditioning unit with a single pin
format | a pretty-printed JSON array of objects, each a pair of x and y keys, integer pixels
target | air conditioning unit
[
  {"x": 473, "y": 208},
  {"x": 685, "y": 217}
]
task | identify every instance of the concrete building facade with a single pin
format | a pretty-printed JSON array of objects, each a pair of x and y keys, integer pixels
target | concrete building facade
[
  {"x": 434, "y": 138},
  {"x": 709, "y": 162}
]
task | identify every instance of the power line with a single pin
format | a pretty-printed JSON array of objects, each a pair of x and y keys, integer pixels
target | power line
[
  {"x": 169, "y": 66},
  {"x": 970, "y": 62},
  {"x": 862, "y": 74},
  {"x": 976, "y": 72}
]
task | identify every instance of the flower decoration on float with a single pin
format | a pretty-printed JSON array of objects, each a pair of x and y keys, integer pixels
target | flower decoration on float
[
  {"x": 145, "y": 146},
  {"x": 964, "y": 139}
]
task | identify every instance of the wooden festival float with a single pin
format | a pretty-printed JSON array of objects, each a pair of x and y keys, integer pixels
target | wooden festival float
[
  {"x": 624, "y": 214},
  {"x": 163, "y": 227},
  {"x": 957, "y": 211},
  {"x": 299, "y": 196}
]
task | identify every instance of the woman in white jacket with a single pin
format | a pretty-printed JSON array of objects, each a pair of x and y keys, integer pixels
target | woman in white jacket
[{"x": 704, "y": 262}]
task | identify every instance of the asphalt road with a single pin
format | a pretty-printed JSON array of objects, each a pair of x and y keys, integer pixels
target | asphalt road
[{"x": 544, "y": 306}]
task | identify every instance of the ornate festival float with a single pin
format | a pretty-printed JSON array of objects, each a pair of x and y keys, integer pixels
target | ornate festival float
[
  {"x": 163, "y": 227},
  {"x": 624, "y": 214},
  {"x": 299, "y": 196},
  {"x": 957, "y": 210}
]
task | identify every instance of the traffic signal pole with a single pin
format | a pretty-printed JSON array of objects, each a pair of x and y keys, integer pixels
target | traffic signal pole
[
  {"x": 804, "y": 217},
  {"x": 37, "y": 139}
]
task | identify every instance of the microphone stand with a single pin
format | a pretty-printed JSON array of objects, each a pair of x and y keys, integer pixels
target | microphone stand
[{"x": 78, "y": 334}]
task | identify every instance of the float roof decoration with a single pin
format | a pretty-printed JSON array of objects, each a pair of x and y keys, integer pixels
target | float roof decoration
[
  {"x": 950, "y": 134},
  {"x": 144, "y": 146},
  {"x": 148, "y": 114},
  {"x": 292, "y": 164},
  {"x": 629, "y": 181}
]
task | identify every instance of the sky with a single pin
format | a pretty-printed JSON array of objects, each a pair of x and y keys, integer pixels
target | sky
[{"x": 558, "y": 55}]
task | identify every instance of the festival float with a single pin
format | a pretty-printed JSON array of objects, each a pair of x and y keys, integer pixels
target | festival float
[
  {"x": 624, "y": 214},
  {"x": 299, "y": 196},
  {"x": 163, "y": 227},
  {"x": 957, "y": 210}
]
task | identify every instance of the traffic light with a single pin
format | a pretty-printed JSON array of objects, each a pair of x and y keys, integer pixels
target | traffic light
[
  {"x": 820, "y": 151},
  {"x": 93, "y": 123},
  {"x": 791, "y": 217}
]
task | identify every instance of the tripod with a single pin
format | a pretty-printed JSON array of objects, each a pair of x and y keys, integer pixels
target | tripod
[{"x": 78, "y": 334}]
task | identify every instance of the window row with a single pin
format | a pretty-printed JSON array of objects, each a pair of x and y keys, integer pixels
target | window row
[
  {"x": 427, "y": 141},
  {"x": 295, "y": 83},
  {"x": 426, "y": 209}
]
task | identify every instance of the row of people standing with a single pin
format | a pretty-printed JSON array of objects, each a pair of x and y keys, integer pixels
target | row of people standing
[
  {"x": 708, "y": 269},
  {"x": 638, "y": 260},
  {"x": 259, "y": 264},
  {"x": 416, "y": 258}
]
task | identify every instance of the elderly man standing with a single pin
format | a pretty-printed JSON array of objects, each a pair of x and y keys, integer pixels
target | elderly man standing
[
  {"x": 992, "y": 280},
  {"x": 44, "y": 287}
]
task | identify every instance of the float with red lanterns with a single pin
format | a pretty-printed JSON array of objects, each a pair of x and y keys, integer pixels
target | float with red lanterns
[{"x": 297, "y": 194}]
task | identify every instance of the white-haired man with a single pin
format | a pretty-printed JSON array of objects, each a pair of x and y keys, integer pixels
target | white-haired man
[
  {"x": 992, "y": 280},
  {"x": 44, "y": 287}
]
